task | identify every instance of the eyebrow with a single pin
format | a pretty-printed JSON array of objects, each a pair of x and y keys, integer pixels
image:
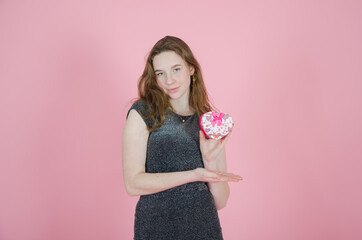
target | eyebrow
[{"x": 176, "y": 65}]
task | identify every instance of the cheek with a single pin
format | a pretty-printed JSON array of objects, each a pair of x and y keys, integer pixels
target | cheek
[
  {"x": 160, "y": 84},
  {"x": 186, "y": 79}
]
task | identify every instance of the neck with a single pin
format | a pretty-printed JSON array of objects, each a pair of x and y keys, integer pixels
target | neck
[{"x": 182, "y": 107}]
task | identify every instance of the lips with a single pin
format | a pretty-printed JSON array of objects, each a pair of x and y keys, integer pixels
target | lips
[{"x": 172, "y": 90}]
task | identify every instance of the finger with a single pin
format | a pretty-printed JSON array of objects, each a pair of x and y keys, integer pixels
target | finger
[
  {"x": 234, "y": 179},
  {"x": 224, "y": 179},
  {"x": 202, "y": 136},
  {"x": 228, "y": 179},
  {"x": 231, "y": 175},
  {"x": 237, "y": 178},
  {"x": 223, "y": 176},
  {"x": 234, "y": 176},
  {"x": 225, "y": 139}
]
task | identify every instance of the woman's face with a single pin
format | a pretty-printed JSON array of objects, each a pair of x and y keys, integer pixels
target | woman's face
[{"x": 173, "y": 75}]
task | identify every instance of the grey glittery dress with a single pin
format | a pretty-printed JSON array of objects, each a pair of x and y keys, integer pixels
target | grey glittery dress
[{"x": 187, "y": 211}]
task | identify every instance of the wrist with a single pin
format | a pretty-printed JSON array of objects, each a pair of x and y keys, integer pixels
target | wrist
[
  {"x": 210, "y": 159},
  {"x": 210, "y": 165},
  {"x": 194, "y": 177}
]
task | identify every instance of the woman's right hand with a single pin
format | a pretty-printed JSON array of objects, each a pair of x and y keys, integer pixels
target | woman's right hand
[{"x": 206, "y": 175}]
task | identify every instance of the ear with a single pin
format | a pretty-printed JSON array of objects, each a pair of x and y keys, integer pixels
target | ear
[{"x": 192, "y": 70}]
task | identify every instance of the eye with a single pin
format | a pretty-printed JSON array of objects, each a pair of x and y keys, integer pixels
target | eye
[
  {"x": 159, "y": 74},
  {"x": 177, "y": 69}
]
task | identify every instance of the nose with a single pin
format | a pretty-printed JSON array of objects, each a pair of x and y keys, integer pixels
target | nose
[{"x": 169, "y": 79}]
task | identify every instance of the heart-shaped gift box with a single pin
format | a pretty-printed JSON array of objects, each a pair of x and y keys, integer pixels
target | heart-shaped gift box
[{"x": 216, "y": 125}]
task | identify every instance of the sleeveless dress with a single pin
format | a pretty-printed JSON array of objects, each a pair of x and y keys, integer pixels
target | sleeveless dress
[{"x": 183, "y": 212}]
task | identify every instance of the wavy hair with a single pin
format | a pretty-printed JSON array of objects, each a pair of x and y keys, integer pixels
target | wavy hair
[{"x": 156, "y": 99}]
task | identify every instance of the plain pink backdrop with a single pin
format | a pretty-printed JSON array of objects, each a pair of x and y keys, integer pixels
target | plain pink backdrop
[{"x": 289, "y": 72}]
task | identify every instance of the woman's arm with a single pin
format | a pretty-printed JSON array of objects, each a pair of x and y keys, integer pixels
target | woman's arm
[
  {"x": 220, "y": 191},
  {"x": 214, "y": 158},
  {"x": 137, "y": 181}
]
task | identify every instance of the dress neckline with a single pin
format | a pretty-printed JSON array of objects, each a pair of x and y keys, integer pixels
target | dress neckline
[
  {"x": 183, "y": 118},
  {"x": 184, "y": 115}
]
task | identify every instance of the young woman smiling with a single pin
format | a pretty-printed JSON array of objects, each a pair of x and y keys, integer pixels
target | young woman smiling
[{"x": 180, "y": 176}]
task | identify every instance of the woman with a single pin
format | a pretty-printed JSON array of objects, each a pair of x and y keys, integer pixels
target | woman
[{"x": 179, "y": 175}]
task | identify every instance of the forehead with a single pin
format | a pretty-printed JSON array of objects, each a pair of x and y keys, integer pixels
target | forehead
[{"x": 166, "y": 60}]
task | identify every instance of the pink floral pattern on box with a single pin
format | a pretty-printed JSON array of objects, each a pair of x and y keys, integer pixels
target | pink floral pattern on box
[{"x": 216, "y": 125}]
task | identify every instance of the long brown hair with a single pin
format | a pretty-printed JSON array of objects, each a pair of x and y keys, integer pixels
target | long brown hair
[{"x": 156, "y": 99}]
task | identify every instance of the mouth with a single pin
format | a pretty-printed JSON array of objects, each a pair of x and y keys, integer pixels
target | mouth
[{"x": 172, "y": 90}]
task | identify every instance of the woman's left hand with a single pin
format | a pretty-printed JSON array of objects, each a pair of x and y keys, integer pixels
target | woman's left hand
[{"x": 211, "y": 148}]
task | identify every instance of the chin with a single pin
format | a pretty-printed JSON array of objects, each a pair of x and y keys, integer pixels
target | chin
[{"x": 174, "y": 97}]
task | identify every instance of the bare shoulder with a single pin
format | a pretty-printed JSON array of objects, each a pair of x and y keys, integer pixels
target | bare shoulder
[{"x": 135, "y": 126}]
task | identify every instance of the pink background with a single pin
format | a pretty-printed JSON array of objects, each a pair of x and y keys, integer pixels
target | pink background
[{"x": 289, "y": 72}]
